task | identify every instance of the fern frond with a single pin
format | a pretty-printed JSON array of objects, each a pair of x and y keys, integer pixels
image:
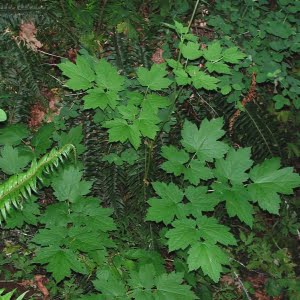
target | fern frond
[{"x": 20, "y": 186}]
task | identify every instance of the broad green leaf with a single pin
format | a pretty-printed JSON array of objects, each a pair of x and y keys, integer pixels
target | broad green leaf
[
  {"x": 153, "y": 102},
  {"x": 28, "y": 215},
  {"x": 56, "y": 214},
  {"x": 213, "y": 52},
  {"x": 214, "y": 232},
  {"x": 181, "y": 77},
  {"x": 107, "y": 76},
  {"x": 54, "y": 236},
  {"x": 233, "y": 55},
  {"x": 129, "y": 156},
  {"x": 60, "y": 262},
  {"x": 218, "y": 67},
  {"x": 42, "y": 139},
  {"x": 269, "y": 180},
  {"x": 110, "y": 286},
  {"x": 88, "y": 211},
  {"x": 69, "y": 186},
  {"x": 196, "y": 171},
  {"x": 147, "y": 123},
  {"x": 165, "y": 208},
  {"x": 175, "y": 160},
  {"x": 154, "y": 79},
  {"x": 183, "y": 234},
  {"x": 3, "y": 116},
  {"x": 144, "y": 278},
  {"x": 202, "y": 80},
  {"x": 113, "y": 158},
  {"x": 81, "y": 74},
  {"x": 13, "y": 134},
  {"x": 204, "y": 141},
  {"x": 11, "y": 162},
  {"x": 281, "y": 101},
  {"x": 120, "y": 131},
  {"x": 128, "y": 112},
  {"x": 85, "y": 241},
  {"x": 280, "y": 29},
  {"x": 209, "y": 258},
  {"x": 237, "y": 202},
  {"x": 169, "y": 286},
  {"x": 235, "y": 165},
  {"x": 200, "y": 200},
  {"x": 191, "y": 50},
  {"x": 74, "y": 137},
  {"x": 98, "y": 98}
]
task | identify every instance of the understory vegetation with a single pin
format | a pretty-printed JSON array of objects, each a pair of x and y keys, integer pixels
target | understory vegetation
[{"x": 149, "y": 149}]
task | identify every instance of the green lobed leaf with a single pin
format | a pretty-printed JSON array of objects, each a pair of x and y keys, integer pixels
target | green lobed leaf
[
  {"x": 120, "y": 131},
  {"x": 213, "y": 52},
  {"x": 69, "y": 186},
  {"x": 209, "y": 258},
  {"x": 200, "y": 200},
  {"x": 214, "y": 232},
  {"x": 154, "y": 79},
  {"x": 269, "y": 180},
  {"x": 11, "y": 161},
  {"x": 204, "y": 141},
  {"x": 234, "y": 166},
  {"x": 165, "y": 208},
  {"x": 183, "y": 234},
  {"x": 81, "y": 74},
  {"x": 170, "y": 286},
  {"x": 176, "y": 160},
  {"x": 191, "y": 50},
  {"x": 233, "y": 55},
  {"x": 60, "y": 262}
]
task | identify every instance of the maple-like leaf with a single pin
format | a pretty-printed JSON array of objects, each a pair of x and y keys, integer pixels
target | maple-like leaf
[
  {"x": 107, "y": 76},
  {"x": 237, "y": 201},
  {"x": 81, "y": 74},
  {"x": 269, "y": 180},
  {"x": 191, "y": 50},
  {"x": 170, "y": 286},
  {"x": 60, "y": 262},
  {"x": 209, "y": 258},
  {"x": 204, "y": 141},
  {"x": 233, "y": 55},
  {"x": 214, "y": 232},
  {"x": 213, "y": 52},
  {"x": 235, "y": 165},
  {"x": 202, "y": 80},
  {"x": 183, "y": 234},
  {"x": 88, "y": 212},
  {"x": 97, "y": 97},
  {"x": 120, "y": 131},
  {"x": 29, "y": 215},
  {"x": 175, "y": 160},
  {"x": 154, "y": 79},
  {"x": 12, "y": 161},
  {"x": 196, "y": 171},
  {"x": 165, "y": 208},
  {"x": 200, "y": 200},
  {"x": 69, "y": 186},
  {"x": 110, "y": 286}
]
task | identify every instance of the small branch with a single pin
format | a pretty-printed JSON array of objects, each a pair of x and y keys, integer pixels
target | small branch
[
  {"x": 49, "y": 54},
  {"x": 242, "y": 285}
]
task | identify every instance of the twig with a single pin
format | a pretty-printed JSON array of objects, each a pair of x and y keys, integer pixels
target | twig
[
  {"x": 242, "y": 285},
  {"x": 49, "y": 54}
]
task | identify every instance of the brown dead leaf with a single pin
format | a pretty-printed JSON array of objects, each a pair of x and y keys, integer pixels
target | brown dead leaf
[
  {"x": 27, "y": 34},
  {"x": 157, "y": 57},
  {"x": 40, "y": 281}
]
